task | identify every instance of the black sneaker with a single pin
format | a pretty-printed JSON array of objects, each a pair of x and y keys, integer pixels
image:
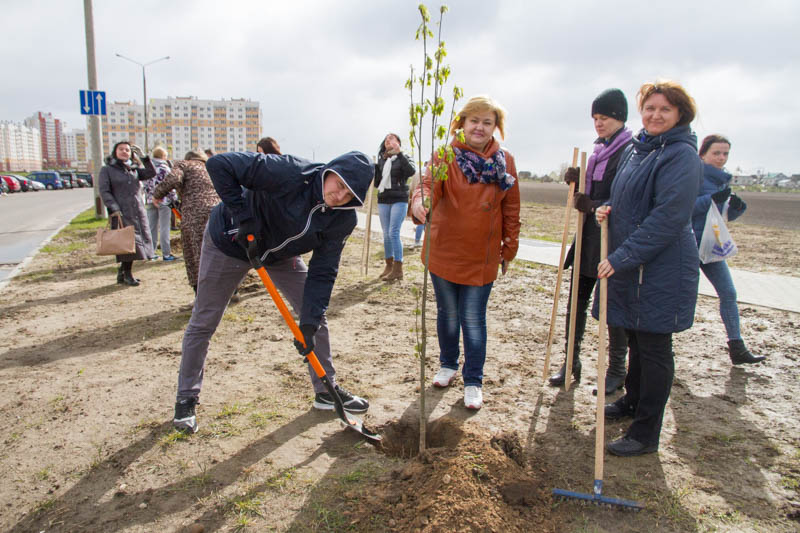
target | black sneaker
[
  {"x": 619, "y": 409},
  {"x": 628, "y": 447},
  {"x": 351, "y": 402},
  {"x": 185, "y": 419}
]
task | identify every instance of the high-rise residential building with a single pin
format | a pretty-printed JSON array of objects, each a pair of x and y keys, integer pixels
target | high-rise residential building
[
  {"x": 20, "y": 147},
  {"x": 75, "y": 150},
  {"x": 50, "y": 131},
  {"x": 181, "y": 124}
]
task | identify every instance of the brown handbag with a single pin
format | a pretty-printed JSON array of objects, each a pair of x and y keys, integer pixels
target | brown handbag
[{"x": 116, "y": 241}]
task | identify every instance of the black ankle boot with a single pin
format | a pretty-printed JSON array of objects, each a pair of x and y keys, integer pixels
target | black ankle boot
[
  {"x": 127, "y": 275},
  {"x": 557, "y": 379},
  {"x": 120, "y": 275},
  {"x": 740, "y": 355}
]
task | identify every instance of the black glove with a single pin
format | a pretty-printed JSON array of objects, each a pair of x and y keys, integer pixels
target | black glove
[
  {"x": 572, "y": 175},
  {"x": 583, "y": 203},
  {"x": 737, "y": 203},
  {"x": 308, "y": 332},
  {"x": 247, "y": 227},
  {"x": 721, "y": 196}
]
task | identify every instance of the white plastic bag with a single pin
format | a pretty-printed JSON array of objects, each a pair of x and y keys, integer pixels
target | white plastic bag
[{"x": 716, "y": 243}]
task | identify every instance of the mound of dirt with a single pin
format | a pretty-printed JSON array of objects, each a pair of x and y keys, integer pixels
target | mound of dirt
[{"x": 466, "y": 480}]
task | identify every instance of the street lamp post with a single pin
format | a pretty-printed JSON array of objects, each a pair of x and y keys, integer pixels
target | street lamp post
[{"x": 144, "y": 86}]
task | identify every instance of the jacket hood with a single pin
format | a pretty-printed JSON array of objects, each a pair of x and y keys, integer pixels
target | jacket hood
[
  {"x": 357, "y": 171},
  {"x": 644, "y": 142},
  {"x": 716, "y": 176}
]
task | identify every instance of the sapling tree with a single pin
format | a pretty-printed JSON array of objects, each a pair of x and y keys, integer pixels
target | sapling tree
[{"x": 429, "y": 106}]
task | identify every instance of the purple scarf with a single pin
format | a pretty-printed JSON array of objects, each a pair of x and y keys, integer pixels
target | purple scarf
[
  {"x": 480, "y": 170},
  {"x": 599, "y": 159}
]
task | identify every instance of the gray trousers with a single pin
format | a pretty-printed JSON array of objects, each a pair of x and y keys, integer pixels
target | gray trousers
[
  {"x": 219, "y": 276},
  {"x": 159, "y": 219}
]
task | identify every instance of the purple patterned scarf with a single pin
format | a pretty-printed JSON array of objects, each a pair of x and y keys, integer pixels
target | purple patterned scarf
[
  {"x": 480, "y": 170},
  {"x": 599, "y": 159}
]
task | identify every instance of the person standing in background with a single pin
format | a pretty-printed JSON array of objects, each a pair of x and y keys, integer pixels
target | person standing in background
[
  {"x": 391, "y": 177},
  {"x": 714, "y": 151},
  {"x": 159, "y": 215}
]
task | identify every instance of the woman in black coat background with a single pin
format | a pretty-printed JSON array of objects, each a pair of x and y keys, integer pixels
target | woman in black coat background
[
  {"x": 391, "y": 178},
  {"x": 120, "y": 190}
]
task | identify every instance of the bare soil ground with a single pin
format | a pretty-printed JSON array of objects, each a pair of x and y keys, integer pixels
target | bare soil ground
[{"x": 88, "y": 374}]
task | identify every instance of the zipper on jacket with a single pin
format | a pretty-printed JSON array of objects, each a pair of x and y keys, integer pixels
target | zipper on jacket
[
  {"x": 491, "y": 227},
  {"x": 641, "y": 273},
  {"x": 299, "y": 235}
]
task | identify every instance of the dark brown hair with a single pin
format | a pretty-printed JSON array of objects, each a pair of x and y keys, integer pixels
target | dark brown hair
[
  {"x": 269, "y": 145},
  {"x": 134, "y": 159},
  {"x": 382, "y": 149},
  {"x": 675, "y": 95},
  {"x": 709, "y": 140}
]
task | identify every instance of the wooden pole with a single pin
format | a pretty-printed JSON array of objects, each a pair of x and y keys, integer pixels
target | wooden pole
[
  {"x": 367, "y": 230},
  {"x": 576, "y": 273},
  {"x": 567, "y": 216},
  {"x": 601, "y": 359}
]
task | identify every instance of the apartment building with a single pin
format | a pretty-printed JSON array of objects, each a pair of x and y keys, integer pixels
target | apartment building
[
  {"x": 188, "y": 123},
  {"x": 75, "y": 149},
  {"x": 20, "y": 147},
  {"x": 51, "y": 131}
]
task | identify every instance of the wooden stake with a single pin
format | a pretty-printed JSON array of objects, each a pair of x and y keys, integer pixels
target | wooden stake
[
  {"x": 567, "y": 216},
  {"x": 576, "y": 273},
  {"x": 367, "y": 230}
]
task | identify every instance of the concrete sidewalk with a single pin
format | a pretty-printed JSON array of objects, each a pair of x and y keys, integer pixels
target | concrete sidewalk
[{"x": 768, "y": 290}]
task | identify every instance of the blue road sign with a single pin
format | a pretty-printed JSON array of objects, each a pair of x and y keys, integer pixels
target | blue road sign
[{"x": 93, "y": 102}]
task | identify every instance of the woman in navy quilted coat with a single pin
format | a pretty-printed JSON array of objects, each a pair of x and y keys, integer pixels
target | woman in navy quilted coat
[{"x": 653, "y": 264}]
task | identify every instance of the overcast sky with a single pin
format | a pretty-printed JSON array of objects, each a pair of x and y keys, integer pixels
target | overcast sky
[{"x": 330, "y": 74}]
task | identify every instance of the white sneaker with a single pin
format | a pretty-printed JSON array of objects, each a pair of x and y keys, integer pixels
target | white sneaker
[
  {"x": 444, "y": 377},
  {"x": 473, "y": 397}
]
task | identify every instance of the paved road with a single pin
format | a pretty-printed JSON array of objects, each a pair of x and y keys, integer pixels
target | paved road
[
  {"x": 29, "y": 219},
  {"x": 774, "y": 209}
]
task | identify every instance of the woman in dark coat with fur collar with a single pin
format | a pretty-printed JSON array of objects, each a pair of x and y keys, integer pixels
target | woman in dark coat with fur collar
[{"x": 120, "y": 191}]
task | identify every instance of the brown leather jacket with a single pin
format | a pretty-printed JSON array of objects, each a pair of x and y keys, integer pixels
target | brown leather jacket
[{"x": 473, "y": 226}]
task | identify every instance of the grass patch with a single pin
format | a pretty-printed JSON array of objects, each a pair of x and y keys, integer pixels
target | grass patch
[
  {"x": 281, "y": 479},
  {"x": 171, "y": 438},
  {"x": 65, "y": 248},
  {"x": 230, "y": 410}
]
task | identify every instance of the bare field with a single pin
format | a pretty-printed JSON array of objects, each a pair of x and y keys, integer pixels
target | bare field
[{"x": 88, "y": 373}]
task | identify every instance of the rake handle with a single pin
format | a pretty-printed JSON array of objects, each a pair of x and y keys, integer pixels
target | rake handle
[
  {"x": 557, "y": 291},
  {"x": 601, "y": 359}
]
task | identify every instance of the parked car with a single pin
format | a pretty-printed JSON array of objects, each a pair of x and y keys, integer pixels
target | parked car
[
  {"x": 83, "y": 183},
  {"x": 23, "y": 183},
  {"x": 71, "y": 177},
  {"x": 35, "y": 185},
  {"x": 87, "y": 176},
  {"x": 13, "y": 184},
  {"x": 3, "y": 186},
  {"x": 28, "y": 184},
  {"x": 49, "y": 178}
]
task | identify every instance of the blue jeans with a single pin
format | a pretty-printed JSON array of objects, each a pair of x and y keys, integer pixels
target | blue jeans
[
  {"x": 418, "y": 233},
  {"x": 392, "y": 216},
  {"x": 462, "y": 307},
  {"x": 720, "y": 277}
]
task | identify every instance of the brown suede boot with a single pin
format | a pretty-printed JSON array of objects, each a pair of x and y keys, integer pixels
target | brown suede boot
[
  {"x": 397, "y": 272},
  {"x": 388, "y": 269}
]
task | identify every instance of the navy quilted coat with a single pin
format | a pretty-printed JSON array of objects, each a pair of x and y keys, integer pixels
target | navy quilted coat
[{"x": 652, "y": 247}]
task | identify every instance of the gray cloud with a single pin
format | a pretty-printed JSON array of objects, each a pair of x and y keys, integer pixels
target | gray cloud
[{"x": 330, "y": 74}]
